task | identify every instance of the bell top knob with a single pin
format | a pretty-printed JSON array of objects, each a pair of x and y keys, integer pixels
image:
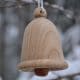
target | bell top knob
[{"x": 40, "y": 12}]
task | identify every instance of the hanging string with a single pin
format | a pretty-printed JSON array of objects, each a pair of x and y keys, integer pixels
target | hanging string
[
  {"x": 42, "y": 4},
  {"x": 38, "y": 3}
]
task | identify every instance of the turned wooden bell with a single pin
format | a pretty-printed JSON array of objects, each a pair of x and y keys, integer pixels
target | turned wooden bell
[{"x": 41, "y": 49}]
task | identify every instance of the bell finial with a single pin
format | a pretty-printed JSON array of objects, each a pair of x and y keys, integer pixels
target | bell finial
[{"x": 40, "y": 12}]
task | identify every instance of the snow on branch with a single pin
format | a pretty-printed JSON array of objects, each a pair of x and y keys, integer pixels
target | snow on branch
[{"x": 72, "y": 71}]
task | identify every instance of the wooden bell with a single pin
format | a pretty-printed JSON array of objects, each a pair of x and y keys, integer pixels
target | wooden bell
[{"x": 41, "y": 49}]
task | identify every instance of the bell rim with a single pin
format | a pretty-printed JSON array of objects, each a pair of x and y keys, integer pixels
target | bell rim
[{"x": 32, "y": 64}]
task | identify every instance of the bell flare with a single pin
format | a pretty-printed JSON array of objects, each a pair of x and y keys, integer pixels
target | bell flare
[
  {"x": 41, "y": 47},
  {"x": 49, "y": 64}
]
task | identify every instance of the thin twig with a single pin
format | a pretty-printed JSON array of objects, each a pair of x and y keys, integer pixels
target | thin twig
[{"x": 12, "y": 4}]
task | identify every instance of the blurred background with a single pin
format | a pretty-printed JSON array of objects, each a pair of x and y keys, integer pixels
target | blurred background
[{"x": 14, "y": 17}]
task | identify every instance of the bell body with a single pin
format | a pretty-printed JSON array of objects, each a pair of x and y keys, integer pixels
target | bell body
[{"x": 41, "y": 47}]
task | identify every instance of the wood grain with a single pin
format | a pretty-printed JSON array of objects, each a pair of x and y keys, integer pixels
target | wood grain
[{"x": 41, "y": 47}]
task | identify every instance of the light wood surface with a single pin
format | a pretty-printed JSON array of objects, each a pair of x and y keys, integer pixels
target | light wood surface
[{"x": 41, "y": 47}]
